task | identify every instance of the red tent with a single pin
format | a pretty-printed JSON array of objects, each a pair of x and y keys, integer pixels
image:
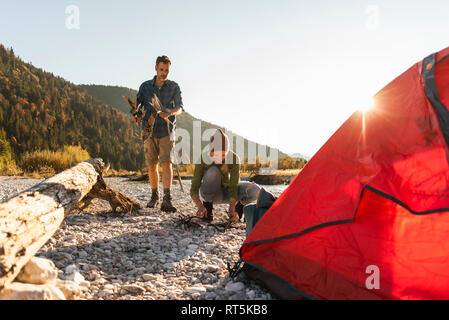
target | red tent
[{"x": 368, "y": 216}]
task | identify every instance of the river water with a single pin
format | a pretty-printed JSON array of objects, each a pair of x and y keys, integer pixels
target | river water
[{"x": 275, "y": 189}]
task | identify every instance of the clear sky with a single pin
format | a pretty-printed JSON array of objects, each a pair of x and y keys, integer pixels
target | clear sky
[{"x": 283, "y": 73}]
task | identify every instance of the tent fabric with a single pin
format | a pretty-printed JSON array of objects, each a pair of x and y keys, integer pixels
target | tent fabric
[{"x": 375, "y": 194}]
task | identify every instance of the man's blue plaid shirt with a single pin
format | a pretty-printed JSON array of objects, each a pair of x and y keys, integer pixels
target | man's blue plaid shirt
[{"x": 169, "y": 95}]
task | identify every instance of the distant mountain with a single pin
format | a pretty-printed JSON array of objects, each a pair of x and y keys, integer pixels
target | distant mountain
[
  {"x": 112, "y": 96},
  {"x": 299, "y": 156},
  {"x": 41, "y": 111}
]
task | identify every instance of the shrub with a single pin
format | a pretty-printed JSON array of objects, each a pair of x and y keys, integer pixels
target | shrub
[
  {"x": 7, "y": 163},
  {"x": 185, "y": 169},
  {"x": 5, "y": 152},
  {"x": 119, "y": 173},
  {"x": 52, "y": 162}
]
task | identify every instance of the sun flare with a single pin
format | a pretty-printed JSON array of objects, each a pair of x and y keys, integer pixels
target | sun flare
[{"x": 366, "y": 106}]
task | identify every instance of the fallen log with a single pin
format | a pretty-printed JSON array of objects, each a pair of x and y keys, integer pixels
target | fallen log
[
  {"x": 28, "y": 220},
  {"x": 270, "y": 179}
]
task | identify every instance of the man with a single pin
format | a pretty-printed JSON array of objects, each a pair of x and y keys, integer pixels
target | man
[
  {"x": 158, "y": 130},
  {"x": 216, "y": 180}
]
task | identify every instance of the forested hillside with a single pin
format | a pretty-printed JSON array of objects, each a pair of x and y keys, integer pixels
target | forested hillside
[{"x": 41, "y": 111}]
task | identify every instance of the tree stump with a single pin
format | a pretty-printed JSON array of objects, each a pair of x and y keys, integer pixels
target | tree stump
[
  {"x": 116, "y": 199},
  {"x": 28, "y": 220}
]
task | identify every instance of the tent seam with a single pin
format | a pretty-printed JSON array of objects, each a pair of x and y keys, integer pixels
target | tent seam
[{"x": 337, "y": 222}]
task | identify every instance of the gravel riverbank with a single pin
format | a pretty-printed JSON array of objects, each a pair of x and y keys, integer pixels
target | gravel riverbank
[{"x": 146, "y": 256}]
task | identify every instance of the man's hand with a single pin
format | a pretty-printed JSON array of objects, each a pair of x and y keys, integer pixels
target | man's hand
[
  {"x": 165, "y": 114},
  {"x": 202, "y": 212},
  {"x": 137, "y": 116}
]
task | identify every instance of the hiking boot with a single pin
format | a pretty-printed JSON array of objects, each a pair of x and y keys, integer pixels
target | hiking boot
[
  {"x": 209, "y": 207},
  {"x": 239, "y": 209},
  {"x": 166, "y": 205},
  {"x": 154, "y": 201}
]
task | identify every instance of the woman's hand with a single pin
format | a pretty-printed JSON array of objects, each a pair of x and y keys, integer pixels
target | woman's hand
[
  {"x": 202, "y": 212},
  {"x": 233, "y": 216}
]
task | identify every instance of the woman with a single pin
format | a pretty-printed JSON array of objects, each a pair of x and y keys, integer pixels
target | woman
[{"x": 217, "y": 180}]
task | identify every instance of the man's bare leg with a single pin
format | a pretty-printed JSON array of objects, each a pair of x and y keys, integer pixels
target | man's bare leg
[
  {"x": 153, "y": 175},
  {"x": 167, "y": 175}
]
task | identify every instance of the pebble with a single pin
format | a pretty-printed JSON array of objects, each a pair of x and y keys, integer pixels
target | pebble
[
  {"x": 192, "y": 247},
  {"x": 161, "y": 233},
  {"x": 218, "y": 262},
  {"x": 237, "y": 296},
  {"x": 84, "y": 283},
  {"x": 197, "y": 289},
  {"x": 184, "y": 242},
  {"x": 212, "y": 268},
  {"x": 210, "y": 296},
  {"x": 62, "y": 256},
  {"x": 149, "y": 277},
  {"x": 133, "y": 288},
  {"x": 195, "y": 295},
  {"x": 123, "y": 291},
  {"x": 251, "y": 294},
  {"x": 105, "y": 293},
  {"x": 234, "y": 286},
  {"x": 75, "y": 277},
  {"x": 169, "y": 266},
  {"x": 98, "y": 243},
  {"x": 148, "y": 256}
]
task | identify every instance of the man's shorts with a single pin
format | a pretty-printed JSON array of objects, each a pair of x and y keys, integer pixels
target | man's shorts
[{"x": 158, "y": 150}]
